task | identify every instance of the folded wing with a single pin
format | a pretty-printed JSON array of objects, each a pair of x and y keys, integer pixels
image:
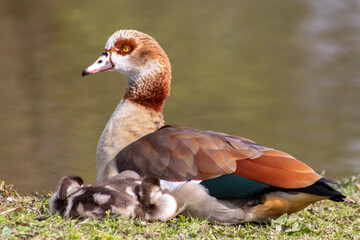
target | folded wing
[{"x": 176, "y": 153}]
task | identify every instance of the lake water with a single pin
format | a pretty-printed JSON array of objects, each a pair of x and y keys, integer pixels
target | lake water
[{"x": 285, "y": 74}]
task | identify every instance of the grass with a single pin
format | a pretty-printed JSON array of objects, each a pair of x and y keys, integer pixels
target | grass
[{"x": 25, "y": 217}]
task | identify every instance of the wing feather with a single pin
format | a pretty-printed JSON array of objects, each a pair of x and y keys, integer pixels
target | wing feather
[
  {"x": 178, "y": 153},
  {"x": 278, "y": 169}
]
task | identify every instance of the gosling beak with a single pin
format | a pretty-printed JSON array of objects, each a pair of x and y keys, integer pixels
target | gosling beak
[{"x": 103, "y": 63}]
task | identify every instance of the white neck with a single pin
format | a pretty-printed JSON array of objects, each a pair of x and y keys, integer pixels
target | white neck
[{"x": 129, "y": 122}]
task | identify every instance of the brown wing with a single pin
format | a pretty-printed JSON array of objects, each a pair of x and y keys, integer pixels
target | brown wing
[{"x": 178, "y": 153}]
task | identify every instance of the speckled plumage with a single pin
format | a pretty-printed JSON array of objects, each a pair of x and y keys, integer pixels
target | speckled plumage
[{"x": 121, "y": 196}]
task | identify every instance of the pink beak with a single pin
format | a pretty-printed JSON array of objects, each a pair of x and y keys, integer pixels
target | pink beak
[{"x": 101, "y": 64}]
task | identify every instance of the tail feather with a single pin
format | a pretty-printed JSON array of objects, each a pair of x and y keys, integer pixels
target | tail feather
[
  {"x": 321, "y": 188},
  {"x": 273, "y": 201},
  {"x": 328, "y": 180}
]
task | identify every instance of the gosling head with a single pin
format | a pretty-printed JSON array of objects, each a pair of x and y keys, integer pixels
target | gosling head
[{"x": 59, "y": 200}]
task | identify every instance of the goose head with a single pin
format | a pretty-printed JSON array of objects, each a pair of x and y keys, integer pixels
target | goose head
[{"x": 142, "y": 61}]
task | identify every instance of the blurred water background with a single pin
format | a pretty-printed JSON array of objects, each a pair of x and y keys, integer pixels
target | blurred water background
[{"x": 285, "y": 74}]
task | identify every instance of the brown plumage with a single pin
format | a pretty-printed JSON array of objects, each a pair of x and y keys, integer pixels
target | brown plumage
[{"x": 178, "y": 153}]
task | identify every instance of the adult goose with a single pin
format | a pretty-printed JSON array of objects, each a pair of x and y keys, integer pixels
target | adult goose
[{"x": 223, "y": 178}]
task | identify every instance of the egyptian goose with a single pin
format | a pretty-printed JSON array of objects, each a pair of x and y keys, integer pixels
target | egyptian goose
[
  {"x": 223, "y": 178},
  {"x": 126, "y": 195}
]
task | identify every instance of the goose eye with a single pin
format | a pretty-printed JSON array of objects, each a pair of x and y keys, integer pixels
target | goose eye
[{"x": 125, "y": 49}]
